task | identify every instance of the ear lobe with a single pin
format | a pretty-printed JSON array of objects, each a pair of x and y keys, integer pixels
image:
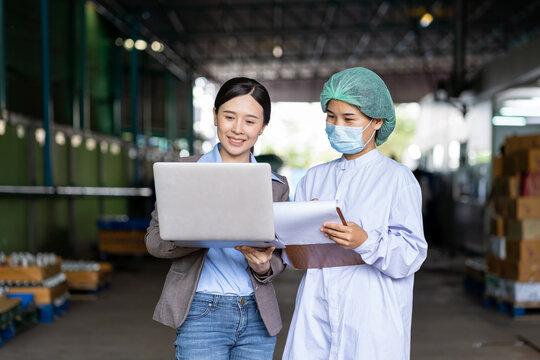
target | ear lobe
[
  {"x": 262, "y": 130},
  {"x": 215, "y": 116}
]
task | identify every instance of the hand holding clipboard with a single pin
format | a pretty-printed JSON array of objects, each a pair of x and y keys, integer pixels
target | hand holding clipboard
[{"x": 348, "y": 235}]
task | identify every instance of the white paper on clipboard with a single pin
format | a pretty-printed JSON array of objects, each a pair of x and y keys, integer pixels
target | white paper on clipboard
[{"x": 299, "y": 223}]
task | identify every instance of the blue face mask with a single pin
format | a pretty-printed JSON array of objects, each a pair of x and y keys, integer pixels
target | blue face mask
[{"x": 347, "y": 139}]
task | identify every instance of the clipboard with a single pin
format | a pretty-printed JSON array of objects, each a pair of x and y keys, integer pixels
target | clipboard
[{"x": 317, "y": 256}]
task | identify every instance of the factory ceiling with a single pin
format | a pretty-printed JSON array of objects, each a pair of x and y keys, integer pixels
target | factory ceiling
[{"x": 413, "y": 45}]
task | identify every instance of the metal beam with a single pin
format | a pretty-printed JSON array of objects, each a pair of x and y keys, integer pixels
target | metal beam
[
  {"x": 2, "y": 61},
  {"x": 46, "y": 88},
  {"x": 134, "y": 102}
]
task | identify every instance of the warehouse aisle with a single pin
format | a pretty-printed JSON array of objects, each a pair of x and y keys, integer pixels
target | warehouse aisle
[{"x": 447, "y": 323}]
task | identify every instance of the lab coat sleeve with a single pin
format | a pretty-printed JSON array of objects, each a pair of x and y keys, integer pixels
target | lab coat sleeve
[
  {"x": 160, "y": 248},
  {"x": 399, "y": 249}
]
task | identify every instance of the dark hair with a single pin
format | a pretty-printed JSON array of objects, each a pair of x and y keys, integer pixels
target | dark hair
[{"x": 243, "y": 86}]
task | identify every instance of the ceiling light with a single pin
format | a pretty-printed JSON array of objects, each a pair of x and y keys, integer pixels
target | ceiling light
[
  {"x": 277, "y": 51},
  {"x": 140, "y": 45},
  {"x": 128, "y": 44},
  {"x": 90, "y": 144},
  {"x": 426, "y": 20},
  {"x": 40, "y": 136},
  {"x": 60, "y": 138},
  {"x": 119, "y": 41},
  {"x": 76, "y": 140},
  {"x": 2, "y": 127},
  {"x": 157, "y": 46},
  {"x": 509, "y": 121}
]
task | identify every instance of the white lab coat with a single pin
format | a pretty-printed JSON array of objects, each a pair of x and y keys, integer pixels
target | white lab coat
[{"x": 363, "y": 311}]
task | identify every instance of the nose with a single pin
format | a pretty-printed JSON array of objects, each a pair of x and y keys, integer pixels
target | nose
[{"x": 238, "y": 127}]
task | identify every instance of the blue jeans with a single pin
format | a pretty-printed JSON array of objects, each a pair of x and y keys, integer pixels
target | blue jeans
[{"x": 220, "y": 327}]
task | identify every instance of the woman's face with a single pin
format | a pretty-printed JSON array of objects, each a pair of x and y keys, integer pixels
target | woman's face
[
  {"x": 239, "y": 123},
  {"x": 340, "y": 113}
]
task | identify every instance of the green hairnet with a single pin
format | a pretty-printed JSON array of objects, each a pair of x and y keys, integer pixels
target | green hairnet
[{"x": 365, "y": 89}]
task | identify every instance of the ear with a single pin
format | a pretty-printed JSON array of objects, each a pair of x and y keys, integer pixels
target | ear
[
  {"x": 377, "y": 123},
  {"x": 215, "y": 116},
  {"x": 262, "y": 129}
]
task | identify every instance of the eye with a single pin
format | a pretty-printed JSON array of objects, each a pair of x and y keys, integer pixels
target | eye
[
  {"x": 349, "y": 119},
  {"x": 228, "y": 117},
  {"x": 250, "y": 122},
  {"x": 330, "y": 116}
]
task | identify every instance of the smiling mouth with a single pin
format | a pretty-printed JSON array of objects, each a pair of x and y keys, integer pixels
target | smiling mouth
[{"x": 236, "y": 141}]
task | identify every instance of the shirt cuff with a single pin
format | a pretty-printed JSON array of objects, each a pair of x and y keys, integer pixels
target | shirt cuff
[{"x": 370, "y": 244}]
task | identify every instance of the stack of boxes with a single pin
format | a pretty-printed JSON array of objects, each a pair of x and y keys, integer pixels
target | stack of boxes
[
  {"x": 35, "y": 278},
  {"x": 513, "y": 256}
]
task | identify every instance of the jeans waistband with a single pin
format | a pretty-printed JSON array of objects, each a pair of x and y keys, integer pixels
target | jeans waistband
[{"x": 227, "y": 299}]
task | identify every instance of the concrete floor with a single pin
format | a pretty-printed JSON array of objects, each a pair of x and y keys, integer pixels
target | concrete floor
[{"x": 447, "y": 323}]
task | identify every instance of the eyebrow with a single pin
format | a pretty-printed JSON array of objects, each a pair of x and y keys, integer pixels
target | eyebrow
[
  {"x": 234, "y": 113},
  {"x": 346, "y": 114}
]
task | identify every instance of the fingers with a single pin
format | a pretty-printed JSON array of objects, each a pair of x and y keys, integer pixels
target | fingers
[
  {"x": 256, "y": 256},
  {"x": 314, "y": 199},
  {"x": 335, "y": 227}
]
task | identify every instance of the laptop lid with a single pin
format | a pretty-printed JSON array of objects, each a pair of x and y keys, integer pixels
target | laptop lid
[{"x": 215, "y": 204}]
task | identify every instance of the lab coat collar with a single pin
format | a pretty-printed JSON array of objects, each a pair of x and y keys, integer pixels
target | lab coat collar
[{"x": 363, "y": 160}]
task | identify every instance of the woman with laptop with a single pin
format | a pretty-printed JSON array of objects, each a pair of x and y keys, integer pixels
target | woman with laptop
[
  {"x": 221, "y": 300},
  {"x": 360, "y": 311}
]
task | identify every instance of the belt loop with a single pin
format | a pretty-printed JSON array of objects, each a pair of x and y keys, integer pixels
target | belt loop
[{"x": 215, "y": 302}]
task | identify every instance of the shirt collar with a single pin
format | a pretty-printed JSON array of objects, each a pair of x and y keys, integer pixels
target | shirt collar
[
  {"x": 360, "y": 161},
  {"x": 214, "y": 156}
]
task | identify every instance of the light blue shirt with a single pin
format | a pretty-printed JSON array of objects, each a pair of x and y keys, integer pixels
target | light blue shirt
[
  {"x": 225, "y": 270},
  {"x": 363, "y": 311}
]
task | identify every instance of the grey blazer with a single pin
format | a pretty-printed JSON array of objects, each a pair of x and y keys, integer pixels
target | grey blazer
[{"x": 183, "y": 277}]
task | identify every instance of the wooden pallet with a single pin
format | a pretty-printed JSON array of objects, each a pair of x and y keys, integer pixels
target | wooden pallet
[
  {"x": 122, "y": 242},
  {"x": 516, "y": 309},
  {"x": 30, "y": 273},
  {"x": 42, "y": 295}
]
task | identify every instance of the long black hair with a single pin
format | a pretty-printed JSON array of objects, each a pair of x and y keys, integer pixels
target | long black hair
[{"x": 243, "y": 86}]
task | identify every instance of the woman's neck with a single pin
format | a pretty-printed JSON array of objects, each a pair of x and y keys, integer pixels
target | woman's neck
[{"x": 228, "y": 158}]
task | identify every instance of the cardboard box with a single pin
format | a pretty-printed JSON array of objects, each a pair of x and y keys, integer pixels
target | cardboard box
[
  {"x": 507, "y": 186},
  {"x": 525, "y": 207},
  {"x": 497, "y": 226},
  {"x": 530, "y": 185},
  {"x": 528, "y": 160},
  {"x": 528, "y": 229},
  {"x": 30, "y": 273},
  {"x": 494, "y": 264},
  {"x": 88, "y": 280},
  {"x": 122, "y": 242},
  {"x": 502, "y": 205},
  {"x": 514, "y": 144},
  {"x": 521, "y": 270},
  {"x": 517, "y": 250},
  {"x": 519, "y": 292},
  {"x": 497, "y": 166}
]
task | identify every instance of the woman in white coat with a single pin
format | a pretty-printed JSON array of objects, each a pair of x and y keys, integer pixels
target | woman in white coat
[{"x": 361, "y": 311}]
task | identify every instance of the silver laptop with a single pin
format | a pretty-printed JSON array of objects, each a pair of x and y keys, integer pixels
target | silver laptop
[{"x": 215, "y": 204}]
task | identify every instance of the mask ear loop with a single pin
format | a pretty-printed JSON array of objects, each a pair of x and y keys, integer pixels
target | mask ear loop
[{"x": 374, "y": 132}]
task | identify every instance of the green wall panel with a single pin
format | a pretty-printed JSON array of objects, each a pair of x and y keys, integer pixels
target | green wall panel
[
  {"x": 13, "y": 157},
  {"x": 85, "y": 162},
  {"x": 86, "y": 217},
  {"x": 13, "y": 224}
]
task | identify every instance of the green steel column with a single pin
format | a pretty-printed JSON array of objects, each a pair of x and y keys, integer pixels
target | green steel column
[
  {"x": 2, "y": 60},
  {"x": 171, "y": 109},
  {"x": 188, "y": 112},
  {"x": 83, "y": 118},
  {"x": 134, "y": 94},
  {"x": 46, "y": 84},
  {"x": 118, "y": 90}
]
